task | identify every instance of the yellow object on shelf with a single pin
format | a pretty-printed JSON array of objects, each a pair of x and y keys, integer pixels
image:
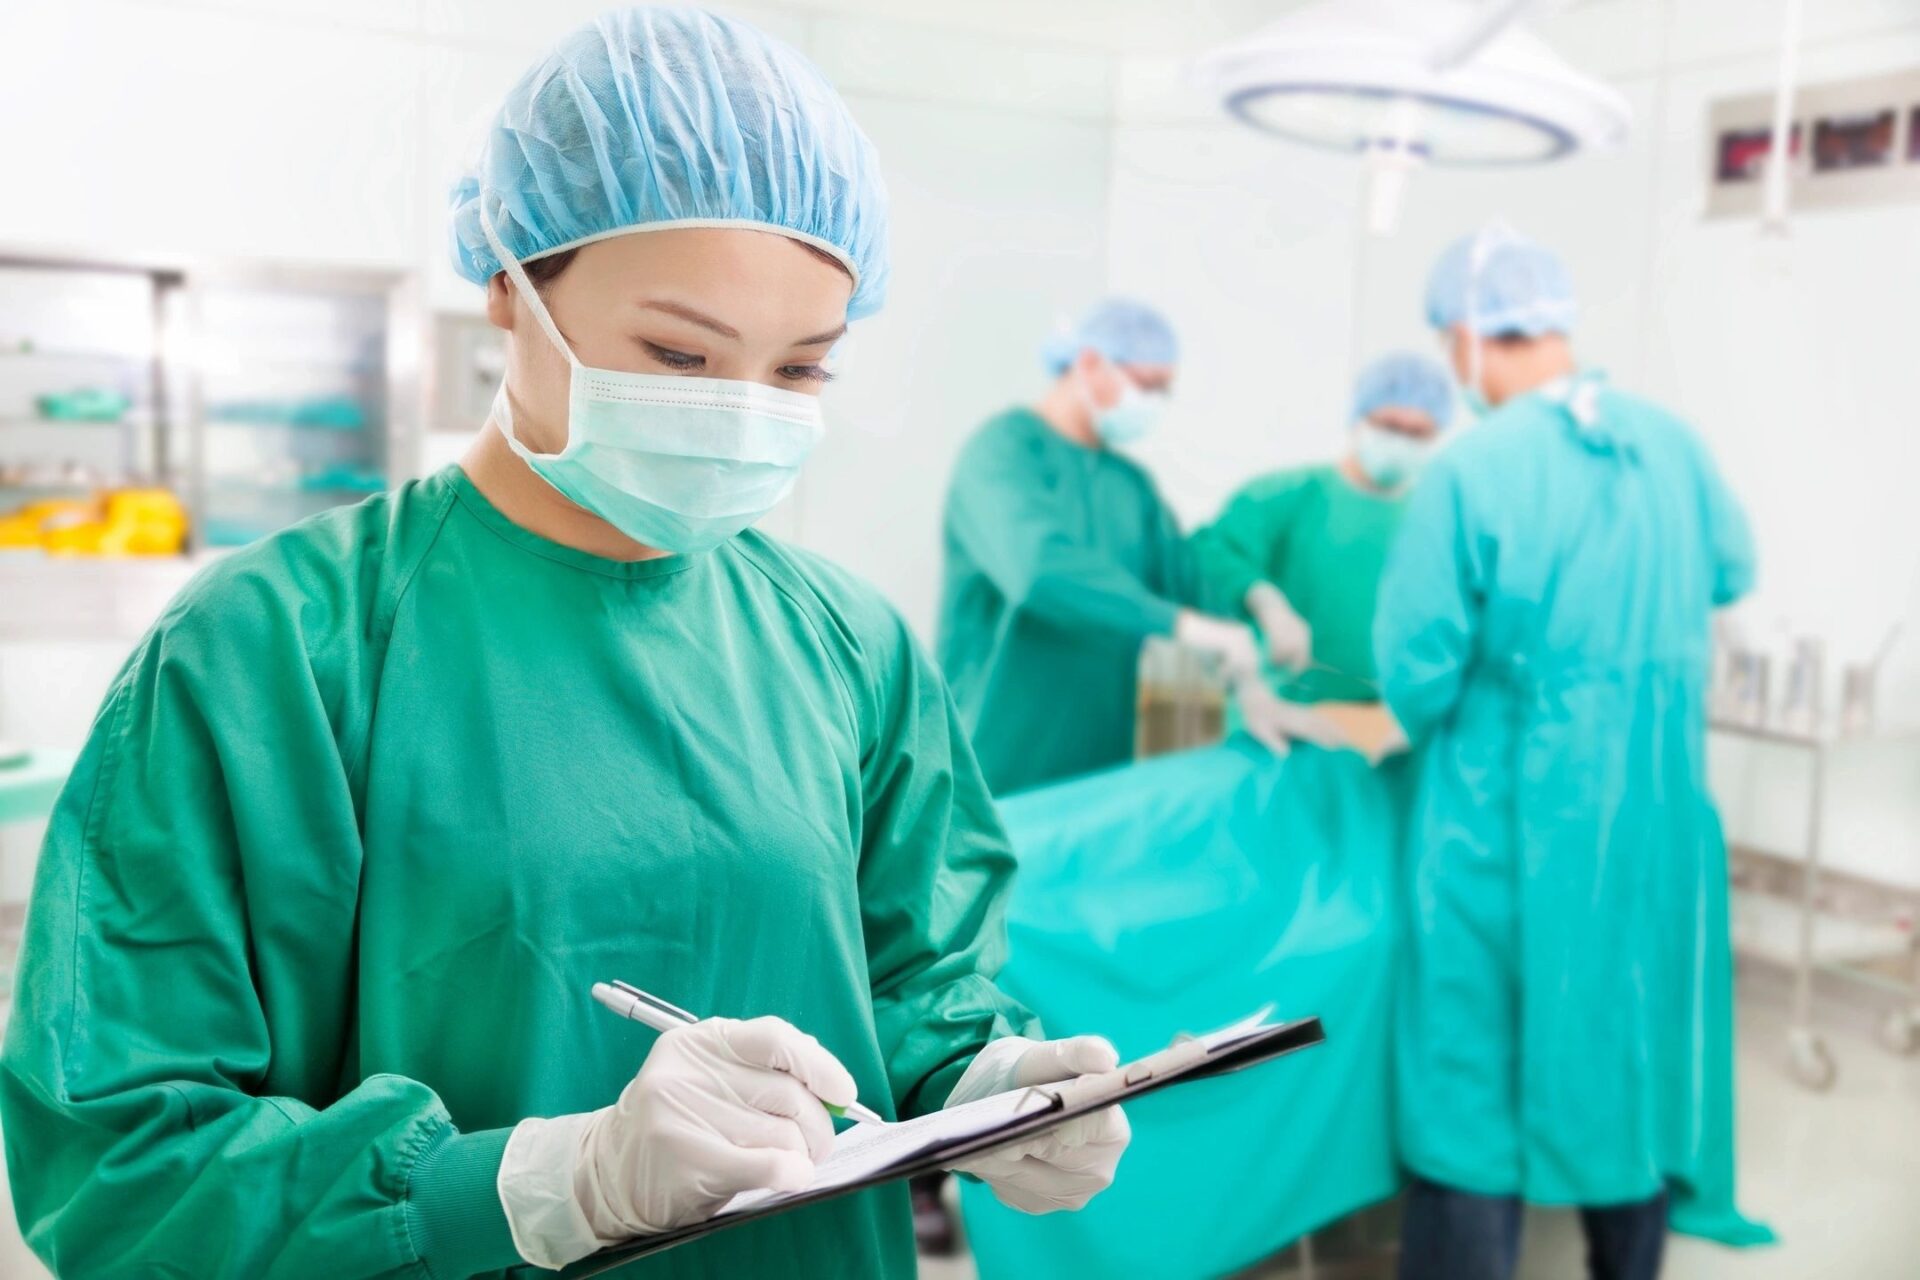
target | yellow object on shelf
[
  {"x": 26, "y": 527},
  {"x": 122, "y": 522}
]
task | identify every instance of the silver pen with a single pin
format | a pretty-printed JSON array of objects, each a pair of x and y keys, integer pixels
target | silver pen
[{"x": 649, "y": 1010}]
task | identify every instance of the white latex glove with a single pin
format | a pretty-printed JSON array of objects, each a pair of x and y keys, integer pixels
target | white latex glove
[
  {"x": 1231, "y": 644},
  {"x": 1069, "y": 1164},
  {"x": 1278, "y": 723},
  {"x": 1289, "y": 638},
  {"x": 719, "y": 1107}
]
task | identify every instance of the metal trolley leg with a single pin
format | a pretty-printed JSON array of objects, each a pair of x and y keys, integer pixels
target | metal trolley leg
[{"x": 1811, "y": 1061}]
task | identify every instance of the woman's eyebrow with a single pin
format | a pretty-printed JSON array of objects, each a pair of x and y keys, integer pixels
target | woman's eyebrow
[
  {"x": 832, "y": 335},
  {"x": 691, "y": 316},
  {"x": 725, "y": 330}
]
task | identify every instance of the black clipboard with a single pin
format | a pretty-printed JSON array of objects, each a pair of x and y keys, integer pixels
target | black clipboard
[{"x": 1178, "y": 1063}]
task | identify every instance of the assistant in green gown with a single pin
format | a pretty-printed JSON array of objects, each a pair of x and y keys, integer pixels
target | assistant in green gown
[
  {"x": 1323, "y": 541},
  {"x": 376, "y": 802}
]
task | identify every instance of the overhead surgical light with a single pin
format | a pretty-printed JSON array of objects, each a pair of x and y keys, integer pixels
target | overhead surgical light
[{"x": 1412, "y": 82}]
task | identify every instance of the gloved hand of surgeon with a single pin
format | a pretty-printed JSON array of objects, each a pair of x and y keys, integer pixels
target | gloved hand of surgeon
[
  {"x": 1066, "y": 1166},
  {"x": 1289, "y": 638},
  {"x": 1278, "y": 724},
  {"x": 1230, "y": 644},
  {"x": 723, "y": 1106}
]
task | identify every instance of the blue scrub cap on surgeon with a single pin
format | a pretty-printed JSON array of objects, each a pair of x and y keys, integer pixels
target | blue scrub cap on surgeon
[
  {"x": 1497, "y": 281},
  {"x": 657, "y": 117},
  {"x": 1122, "y": 330},
  {"x": 1402, "y": 380}
]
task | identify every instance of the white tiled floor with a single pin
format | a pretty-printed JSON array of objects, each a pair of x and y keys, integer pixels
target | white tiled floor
[{"x": 1836, "y": 1174}]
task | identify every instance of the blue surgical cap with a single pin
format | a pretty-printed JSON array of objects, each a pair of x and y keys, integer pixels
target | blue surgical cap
[
  {"x": 1402, "y": 380},
  {"x": 1122, "y": 330},
  {"x": 655, "y": 117},
  {"x": 1496, "y": 282}
]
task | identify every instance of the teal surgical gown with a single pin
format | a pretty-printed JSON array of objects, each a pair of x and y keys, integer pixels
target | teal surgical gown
[
  {"x": 1323, "y": 541},
  {"x": 376, "y": 802},
  {"x": 1565, "y": 1028},
  {"x": 1060, "y": 561}
]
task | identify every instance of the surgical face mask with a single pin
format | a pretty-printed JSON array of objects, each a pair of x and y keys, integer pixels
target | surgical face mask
[
  {"x": 1391, "y": 459},
  {"x": 1131, "y": 417},
  {"x": 1490, "y": 238},
  {"x": 1472, "y": 392},
  {"x": 677, "y": 463}
]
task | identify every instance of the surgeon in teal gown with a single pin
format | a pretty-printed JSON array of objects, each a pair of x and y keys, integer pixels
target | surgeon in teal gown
[
  {"x": 1062, "y": 559},
  {"x": 1543, "y": 636},
  {"x": 305, "y": 985}
]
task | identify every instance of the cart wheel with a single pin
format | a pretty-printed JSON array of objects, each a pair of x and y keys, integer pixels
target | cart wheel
[
  {"x": 1901, "y": 1032},
  {"x": 1812, "y": 1064}
]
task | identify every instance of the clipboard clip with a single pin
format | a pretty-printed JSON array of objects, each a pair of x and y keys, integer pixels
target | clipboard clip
[{"x": 1114, "y": 1085}]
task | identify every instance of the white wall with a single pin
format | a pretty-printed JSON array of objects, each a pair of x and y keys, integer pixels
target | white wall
[{"x": 1792, "y": 356}]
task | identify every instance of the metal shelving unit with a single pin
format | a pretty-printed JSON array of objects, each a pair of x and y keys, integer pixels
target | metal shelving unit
[
  {"x": 67, "y": 325},
  {"x": 259, "y": 393},
  {"x": 297, "y": 401}
]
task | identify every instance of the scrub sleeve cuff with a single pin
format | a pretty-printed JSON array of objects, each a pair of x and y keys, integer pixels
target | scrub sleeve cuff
[
  {"x": 454, "y": 1216},
  {"x": 936, "y": 1091},
  {"x": 1160, "y": 617}
]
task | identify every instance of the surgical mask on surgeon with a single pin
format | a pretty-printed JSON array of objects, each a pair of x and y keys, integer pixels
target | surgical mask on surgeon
[
  {"x": 677, "y": 463},
  {"x": 1473, "y": 392},
  {"x": 1391, "y": 459},
  {"x": 1132, "y": 417}
]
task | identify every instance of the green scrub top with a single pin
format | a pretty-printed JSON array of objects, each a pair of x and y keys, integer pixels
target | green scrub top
[
  {"x": 1323, "y": 541},
  {"x": 1061, "y": 559},
  {"x": 376, "y": 802},
  {"x": 1565, "y": 1023}
]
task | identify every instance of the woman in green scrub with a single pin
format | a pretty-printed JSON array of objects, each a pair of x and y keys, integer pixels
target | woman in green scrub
[
  {"x": 305, "y": 989},
  {"x": 1304, "y": 548}
]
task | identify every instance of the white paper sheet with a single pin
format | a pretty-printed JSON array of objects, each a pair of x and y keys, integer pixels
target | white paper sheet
[
  {"x": 868, "y": 1149},
  {"x": 1249, "y": 1026}
]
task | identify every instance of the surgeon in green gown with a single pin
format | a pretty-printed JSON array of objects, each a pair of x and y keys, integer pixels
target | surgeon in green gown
[
  {"x": 1062, "y": 559},
  {"x": 305, "y": 988},
  {"x": 1304, "y": 548},
  {"x": 1565, "y": 1022}
]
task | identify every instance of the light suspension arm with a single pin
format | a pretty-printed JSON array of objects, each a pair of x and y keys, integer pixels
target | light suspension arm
[
  {"x": 1496, "y": 16},
  {"x": 1780, "y": 153}
]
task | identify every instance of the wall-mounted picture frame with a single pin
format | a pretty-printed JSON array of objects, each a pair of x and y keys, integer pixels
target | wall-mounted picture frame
[
  {"x": 1862, "y": 140},
  {"x": 1855, "y": 144},
  {"x": 1743, "y": 153}
]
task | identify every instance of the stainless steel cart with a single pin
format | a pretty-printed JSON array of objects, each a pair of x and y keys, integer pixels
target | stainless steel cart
[{"x": 1806, "y": 936}]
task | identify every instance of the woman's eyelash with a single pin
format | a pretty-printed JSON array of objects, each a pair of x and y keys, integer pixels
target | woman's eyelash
[
  {"x": 681, "y": 360},
  {"x": 672, "y": 359}
]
